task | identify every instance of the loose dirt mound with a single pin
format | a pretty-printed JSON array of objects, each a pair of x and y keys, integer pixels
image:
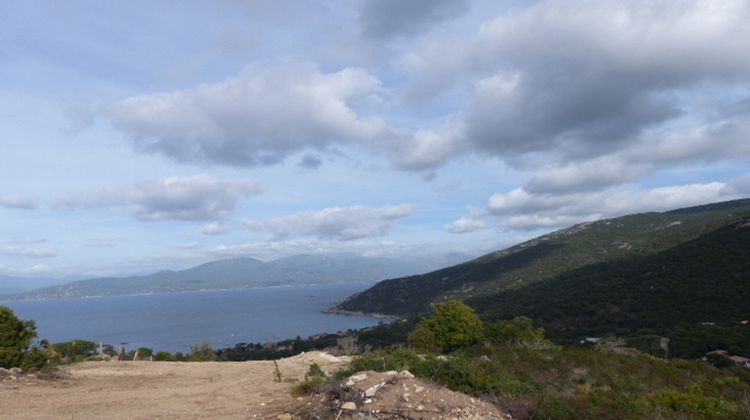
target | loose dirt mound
[
  {"x": 141, "y": 390},
  {"x": 392, "y": 395}
]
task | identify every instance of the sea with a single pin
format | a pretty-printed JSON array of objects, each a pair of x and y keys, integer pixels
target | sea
[{"x": 175, "y": 321}]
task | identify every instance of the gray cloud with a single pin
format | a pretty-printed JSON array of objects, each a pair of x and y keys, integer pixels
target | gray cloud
[
  {"x": 578, "y": 79},
  {"x": 310, "y": 162},
  {"x": 17, "y": 202},
  {"x": 195, "y": 198},
  {"x": 722, "y": 140},
  {"x": 382, "y": 19},
  {"x": 338, "y": 223}
]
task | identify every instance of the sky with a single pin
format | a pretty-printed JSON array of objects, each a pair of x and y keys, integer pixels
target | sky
[{"x": 146, "y": 135}]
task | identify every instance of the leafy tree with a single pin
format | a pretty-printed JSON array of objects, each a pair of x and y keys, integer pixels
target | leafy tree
[
  {"x": 518, "y": 331},
  {"x": 202, "y": 352},
  {"x": 453, "y": 325},
  {"x": 144, "y": 353},
  {"x": 15, "y": 338},
  {"x": 76, "y": 350}
]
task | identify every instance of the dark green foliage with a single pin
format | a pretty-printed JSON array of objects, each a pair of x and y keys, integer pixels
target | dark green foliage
[
  {"x": 202, "y": 352},
  {"x": 313, "y": 371},
  {"x": 281, "y": 349},
  {"x": 144, "y": 353},
  {"x": 34, "y": 359},
  {"x": 76, "y": 350},
  {"x": 577, "y": 383},
  {"x": 519, "y": 331},
  {"x": 547, "y": 257},
  {"x": 670, "y": 293},
  {"x": 453, "y": 325},
  {"x": 164, "y": 356},
  {"x": 15, "y": 338},
  {"x": 387, "y": 335}
]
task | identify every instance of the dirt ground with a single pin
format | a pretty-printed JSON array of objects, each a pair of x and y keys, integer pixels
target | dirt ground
[{"x": 160, "y": 390}]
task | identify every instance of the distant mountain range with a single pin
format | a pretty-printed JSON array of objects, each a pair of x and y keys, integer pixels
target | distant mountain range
[
  {"x": 647, "y": 271},
  {"x": 244, "y": 273},
  {"x": 17, "y": 284}
]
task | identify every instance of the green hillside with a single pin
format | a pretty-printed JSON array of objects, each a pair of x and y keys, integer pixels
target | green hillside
[
  {"x": 547, "y": 257},
  {"x": 705, "y": 280}
]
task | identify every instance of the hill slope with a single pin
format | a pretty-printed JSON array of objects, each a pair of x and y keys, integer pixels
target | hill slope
[
  {"x": 547, "y": 257},
  {"x": 238, "y": 273},
  {"x": 705, "y": 279}
]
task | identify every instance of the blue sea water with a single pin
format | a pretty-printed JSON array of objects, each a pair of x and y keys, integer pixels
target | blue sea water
[{"x": 175, "y": 321}]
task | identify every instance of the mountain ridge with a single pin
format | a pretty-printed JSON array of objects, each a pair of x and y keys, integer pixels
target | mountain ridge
[
  {"x": 236, "y": 273},
  {"x": 546, "y": 257}
]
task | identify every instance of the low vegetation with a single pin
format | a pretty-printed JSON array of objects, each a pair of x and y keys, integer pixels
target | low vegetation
[{"x": 518, "y": 368}]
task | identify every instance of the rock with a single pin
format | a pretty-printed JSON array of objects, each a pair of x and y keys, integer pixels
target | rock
[
  {"x": 420, "y": 407},
  {"x": 371, "y": 391},
  {"x": 285, "y": 416},
  {"x": 4, "y": 372},
  {"x": 16, "y": 371},
  {"x": 350, "y": 383},
  {"x": 405, "y": 374},
  {"x": 349, "y": 406}
]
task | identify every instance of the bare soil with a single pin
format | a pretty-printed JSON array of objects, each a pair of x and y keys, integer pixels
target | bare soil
[{"x": 160, "y": 390}]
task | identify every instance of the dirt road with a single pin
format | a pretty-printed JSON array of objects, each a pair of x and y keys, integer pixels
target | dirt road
[{"x": 140, "y": 390}]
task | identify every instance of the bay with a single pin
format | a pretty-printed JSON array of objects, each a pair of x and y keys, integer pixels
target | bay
[{"x": 175, "y": 321}]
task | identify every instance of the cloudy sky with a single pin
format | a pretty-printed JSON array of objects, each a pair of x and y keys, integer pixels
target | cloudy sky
[{"x": 143, "y": 135}]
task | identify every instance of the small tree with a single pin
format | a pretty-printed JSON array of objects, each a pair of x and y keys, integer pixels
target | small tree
[
  {"x": 453, "y": 325},
  {"x": 202, "y": 352},
  {"x": 15, "y": 338}
]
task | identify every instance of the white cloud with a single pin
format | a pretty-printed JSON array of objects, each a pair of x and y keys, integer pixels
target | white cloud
[
  {"x": 256, "y": 118},
  {"x": 465, "y": 225},
  {"x": 213, "y": 228},
  {"x": 519, "y": 209},
  {"x": 339, "y": 223},
  {"x": 195, "y": 198},
  {"x": 17, "y": 202},
  {"x": 27, "y": 251}
]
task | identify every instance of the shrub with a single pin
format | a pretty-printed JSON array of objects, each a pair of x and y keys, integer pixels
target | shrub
[
  {"x": 164, "y": 356},
  {"x": 519, "y": 331},
  {"x": 314, "y": 371},
  {"x": 202, "y": 352},
  {"x": 453, "y": 325},
  {"x": 76, "y": 350},
  {"x": 34, "y": 359},
  {"x": 15, "y": 338},
  {"x": 313, "y": 385}
]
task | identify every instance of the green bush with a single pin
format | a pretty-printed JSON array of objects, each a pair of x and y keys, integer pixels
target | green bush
[
  {"x": 202, "y": 352},
  {"x": 76, "y": 350},
  {"x": 164, "y": 356},
  {"x": 519, "y": 331},
  {"x": 453, "y": 325},
  {"x": 34, "y": 359},
  {"x": 315, "y": 371},
  {"x": 15, "y": 338}
]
